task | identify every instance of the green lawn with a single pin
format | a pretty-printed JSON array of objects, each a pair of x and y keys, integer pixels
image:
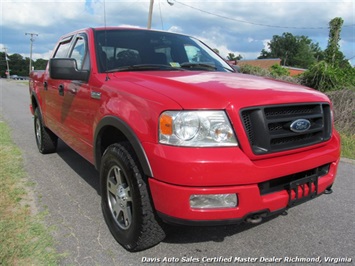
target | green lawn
[
  {"x": 348, "y": 146},
  {"x": 24, "y": 239}
]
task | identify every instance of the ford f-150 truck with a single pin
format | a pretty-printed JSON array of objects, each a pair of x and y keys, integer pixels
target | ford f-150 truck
[{"x": 177, "y": 136}]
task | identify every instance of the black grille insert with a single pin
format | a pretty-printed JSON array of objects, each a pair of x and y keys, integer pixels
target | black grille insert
[{"x": 268, "y": 127}]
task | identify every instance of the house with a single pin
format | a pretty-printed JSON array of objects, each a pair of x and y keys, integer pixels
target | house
[{"x": 294, "y": 71}]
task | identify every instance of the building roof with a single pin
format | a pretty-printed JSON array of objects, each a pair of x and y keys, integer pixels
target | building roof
[{"x": 263, "y": 63}]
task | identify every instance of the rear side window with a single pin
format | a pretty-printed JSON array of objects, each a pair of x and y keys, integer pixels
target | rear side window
[{"x": 63, "y": 49}]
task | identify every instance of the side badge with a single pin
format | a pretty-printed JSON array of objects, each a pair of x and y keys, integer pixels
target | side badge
[{"x": 96, "y": 95}]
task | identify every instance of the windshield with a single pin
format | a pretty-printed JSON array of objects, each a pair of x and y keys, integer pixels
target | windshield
[{"x": 137, "y": 50}]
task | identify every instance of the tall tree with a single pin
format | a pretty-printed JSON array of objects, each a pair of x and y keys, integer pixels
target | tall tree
[
  {"x": 333, "y": 55},
  {"x": 296, "y": 51}
]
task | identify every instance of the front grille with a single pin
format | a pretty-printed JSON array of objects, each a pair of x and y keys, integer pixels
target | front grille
[{"x": 268, "y": 127}]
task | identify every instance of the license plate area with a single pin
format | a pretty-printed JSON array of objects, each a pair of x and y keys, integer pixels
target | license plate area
[{"x": 302, "y": 190}]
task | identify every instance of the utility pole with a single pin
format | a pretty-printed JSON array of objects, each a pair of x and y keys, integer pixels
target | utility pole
[
  {"x": 150, "y": 14},
  {"x": 7, "y": 63},
  {"x": 31, "y": 43}
]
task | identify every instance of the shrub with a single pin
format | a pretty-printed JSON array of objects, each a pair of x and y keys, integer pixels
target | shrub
[
  {"x": 254, "y": 70},
  {"x": 278, "y": 71},
  {"x": 325, "y": 77},
  {"x": 321, "y": 76},
  {"x": 344, "y": 110}
]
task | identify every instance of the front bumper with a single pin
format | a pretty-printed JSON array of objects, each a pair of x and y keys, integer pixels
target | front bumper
[
  {"x": 233, "y": 174},
  {"x": 172, "y": 202}
]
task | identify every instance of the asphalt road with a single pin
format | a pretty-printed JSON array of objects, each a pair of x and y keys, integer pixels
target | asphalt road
[{"x": 67, "y": 187}]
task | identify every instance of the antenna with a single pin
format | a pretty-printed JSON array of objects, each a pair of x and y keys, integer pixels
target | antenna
[
  {"x": 105, "y": 13},
  {"x": 150, "y": 14},
  {"x": 107, "y": 76}
]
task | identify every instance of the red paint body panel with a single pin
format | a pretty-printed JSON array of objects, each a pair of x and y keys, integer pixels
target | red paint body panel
[
  {"x": 137, "y": 99},
  {"x": 229, "y": 166}
]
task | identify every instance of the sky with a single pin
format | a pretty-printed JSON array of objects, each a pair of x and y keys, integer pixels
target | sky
[{"x": 239, "y": 26}]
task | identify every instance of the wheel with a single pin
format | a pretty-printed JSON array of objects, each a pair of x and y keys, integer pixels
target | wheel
[
  {"x": 46, "y": 140},
  {"x": 126, "y": 202}
]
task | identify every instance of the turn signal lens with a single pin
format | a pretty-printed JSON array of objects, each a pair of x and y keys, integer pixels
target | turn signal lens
[{"x": 166, "y": 124}]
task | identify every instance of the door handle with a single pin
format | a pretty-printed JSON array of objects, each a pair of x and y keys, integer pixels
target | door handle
[
  {"x": 45, "y": 85},
  {"x": 61, "y": 89}
]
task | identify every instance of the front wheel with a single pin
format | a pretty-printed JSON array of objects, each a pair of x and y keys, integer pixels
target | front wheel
[{"x": 125, "y": 200}]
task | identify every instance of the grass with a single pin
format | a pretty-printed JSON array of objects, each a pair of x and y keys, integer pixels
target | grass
[
  {"x": 24, "y": 239},
  {"x": 348, "y": 145}
]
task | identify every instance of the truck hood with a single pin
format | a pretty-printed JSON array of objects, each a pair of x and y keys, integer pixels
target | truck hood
[{"x": 217, "y": 90}]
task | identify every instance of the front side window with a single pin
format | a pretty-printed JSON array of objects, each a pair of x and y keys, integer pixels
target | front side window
[{"x": 79, "y": 53}]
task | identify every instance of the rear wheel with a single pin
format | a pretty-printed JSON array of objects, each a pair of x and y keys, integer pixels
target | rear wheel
[
  {"x": 126, "y": 202},
  {"x": 46, "y": 140}
]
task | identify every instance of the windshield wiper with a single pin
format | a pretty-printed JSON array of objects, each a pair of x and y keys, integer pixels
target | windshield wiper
[
  {"x": 201, "y": 66},
  {"x": 142, "y": 67}
]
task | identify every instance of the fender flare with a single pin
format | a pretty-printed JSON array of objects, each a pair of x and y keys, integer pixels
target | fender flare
[
  {"x": 130, "y": 136},
  {"x": 34, "y": 95}
]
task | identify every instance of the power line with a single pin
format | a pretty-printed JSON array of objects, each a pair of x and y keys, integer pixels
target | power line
[{"x": 255, "y": 23}]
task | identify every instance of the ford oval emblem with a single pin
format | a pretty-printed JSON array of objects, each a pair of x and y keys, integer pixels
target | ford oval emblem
[{"x": 300, "y": 125}]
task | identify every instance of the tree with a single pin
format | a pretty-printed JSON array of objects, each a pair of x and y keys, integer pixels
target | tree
[
  {"x": 18, "y": 65},
  {"x": 334, "y": 72},
  {"x": 3, "y": 65},
  {"x": 40, "y": 64},
  {"x": 296, "y": 51},
  {"x": 216, "y": 50},
  {"x": 333, "y": 55},
  {"x": 233, "y": 57}
]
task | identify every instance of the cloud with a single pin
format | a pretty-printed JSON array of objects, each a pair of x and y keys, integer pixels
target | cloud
[
  {"x": 40, "y": 14},
  {"x": 242, "y": 27}
]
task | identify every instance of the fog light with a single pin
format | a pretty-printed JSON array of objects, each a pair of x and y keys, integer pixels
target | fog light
[{"x": 212, "y": 201}]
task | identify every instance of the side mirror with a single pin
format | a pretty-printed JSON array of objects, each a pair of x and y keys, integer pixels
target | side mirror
[{"x": 65, "y": 68}]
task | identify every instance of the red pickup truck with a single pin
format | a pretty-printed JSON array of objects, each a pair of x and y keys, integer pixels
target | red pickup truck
[{"x": 177, "y": 136}]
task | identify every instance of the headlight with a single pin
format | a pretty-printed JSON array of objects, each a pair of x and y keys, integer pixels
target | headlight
[{"x": 196, "y": 129}]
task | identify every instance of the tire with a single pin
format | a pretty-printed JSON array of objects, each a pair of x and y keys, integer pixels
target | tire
[
  {"x": 126, "y": 202},
  {"x": 46, "y": 140}
]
